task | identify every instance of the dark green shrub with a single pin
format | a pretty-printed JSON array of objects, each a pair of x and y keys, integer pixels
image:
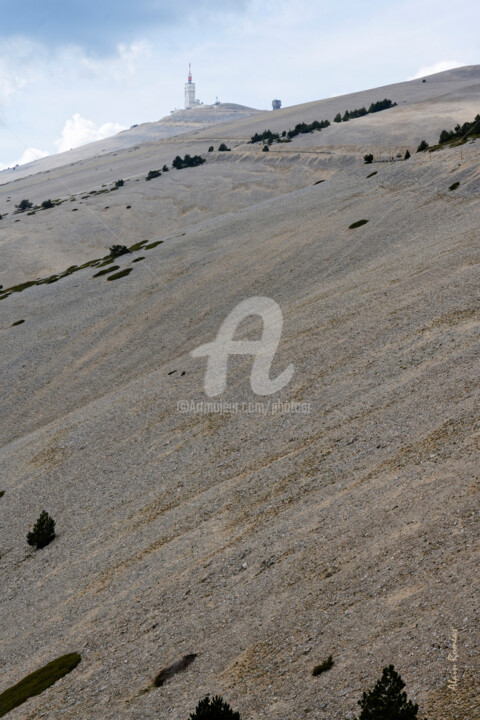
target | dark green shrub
[
  {"x": 214, "y": 709},
  {"x": 106, "y": 270},
  {"x": 187, "y": 161},
  {"x": 117, "y": 250},
  {"x": 46, "y": 204},
  {"x": 454, "y": 186},
  {"x": 118, "y": 275},
  {"x": 407, "y": 155},
  {"x": 119, "y": 183},
  {"x": 386, "y": 701},
  {"x": 323, "y": 667},
  {"x": 381, "y": 105},
  {"x": 368, "y": 159},
  {"x": 37, "y": 682},
  {"x": 266, "y": 148},
  {"x": 302, "y": 128},
  {"x": 24, "y": 205},
  {"x": 460, "y": 131},
  {"x": 357, "y": 224},
  {"x": 265, "y": 136},
  {"x": 223, "y": 148},
  {"x": 423, "y": 146},
  {"x": 153, "y": 174},
  {"x": 337, "y": 118},
  {"x": 210, "y": 149},
  {"x": 43, "y": 531},
  {"x": 346, "y": 116}
]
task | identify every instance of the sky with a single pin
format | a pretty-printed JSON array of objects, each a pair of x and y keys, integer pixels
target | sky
[{"x": 74, "y": 71}]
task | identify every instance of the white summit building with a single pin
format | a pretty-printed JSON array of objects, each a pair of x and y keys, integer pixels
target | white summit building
[{"x": 190, "y": 101}]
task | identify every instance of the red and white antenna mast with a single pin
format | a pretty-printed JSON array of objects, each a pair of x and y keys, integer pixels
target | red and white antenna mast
[{"x": 189, "y": 72}]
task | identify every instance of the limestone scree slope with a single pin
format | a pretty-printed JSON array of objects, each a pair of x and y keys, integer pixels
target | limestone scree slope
[{"x": 338, "y": 516}]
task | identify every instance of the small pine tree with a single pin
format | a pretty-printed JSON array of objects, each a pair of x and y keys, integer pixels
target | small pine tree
[
  {"x": 43, "y": 531},
  {"x": 386, "y": 701},
  {"x": 164, "y": 168},
  {"x": 266, "y": 148},
  {"x": 368, "y": 159},
  {"x": 223, "y": 148},
  {"x": 214, "y": 709},
  {"x": 47, "y": 204},
  {"x": 346, "y": 116},
  {"x": 117, "y": 250},
  {"x": 337, "y": 118},
  {"x": 119, "y": 183},
  {"x": 423, "y": 146},
  {"x": 24, "y": 205},
  {"x": 407, "y": 155},
  {"x": 210, "y": 149}
]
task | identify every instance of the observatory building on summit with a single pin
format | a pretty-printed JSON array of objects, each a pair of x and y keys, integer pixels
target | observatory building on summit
[{"x": 190, "y": 90}]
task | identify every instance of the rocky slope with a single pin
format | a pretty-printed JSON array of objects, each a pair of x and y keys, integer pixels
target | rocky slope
[{"x": 341, "y": 521}]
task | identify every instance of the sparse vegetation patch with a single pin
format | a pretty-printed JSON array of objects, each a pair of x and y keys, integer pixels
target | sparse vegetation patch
[
  {"x": 117, "y": 250},
  {"x": 118, "y": 275},
  {"x": 357, "y": 224},
  {"x": 37, "y": 682},
  {"x": 43, "y": 531},
  {"x": 23, "y": 205},
  {"x": 107, "y": 270},
  {"x": 323, "y": 667},
  {"x": 461, "y": 132},
  {"x": 386, "y": 700},
  {"x": 188, "y": 161},
  {"x": 214, "y": 709}
]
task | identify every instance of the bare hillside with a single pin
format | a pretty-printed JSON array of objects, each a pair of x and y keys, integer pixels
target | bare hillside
[{"x": 338, "y": 516}]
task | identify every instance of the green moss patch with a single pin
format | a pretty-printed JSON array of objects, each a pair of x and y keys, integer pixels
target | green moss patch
[
  {"x": 22, "y": 286},
  {"x": 37, "y": 682},
  {"x": 153, "y": 245},
  {"x": 107, "y": 270},
  {"x": 138, "y": 259},
  {"x": 122, "y": 273},
  {"x": 18, "y": 322},
  {"x": 357, "y": 224},
  {"x": 138, "y": 246}
]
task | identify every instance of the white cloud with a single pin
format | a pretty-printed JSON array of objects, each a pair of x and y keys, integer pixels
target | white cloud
[
  {"x": 436, "y": 68},
  {"x": 124, "y": 63},
  {"x": 29, "y": 155},
  {"x": 80, "y": 131}
]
